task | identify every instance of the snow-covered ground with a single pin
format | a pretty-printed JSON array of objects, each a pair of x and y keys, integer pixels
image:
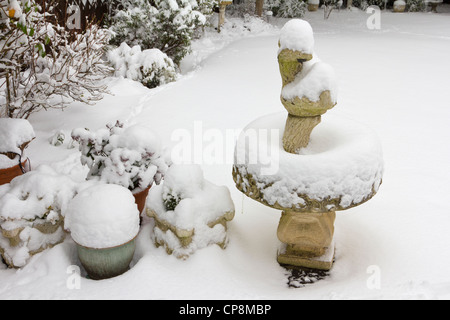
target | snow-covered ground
[{"x": 394, "y": 80}]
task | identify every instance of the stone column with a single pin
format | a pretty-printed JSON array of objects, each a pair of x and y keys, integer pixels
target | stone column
[
  {"x": 259, "y": 7},
  {"x": 298, "y": 132},
  {"x": 222, "y": 7},
  {"x": 308, "y": 237}
]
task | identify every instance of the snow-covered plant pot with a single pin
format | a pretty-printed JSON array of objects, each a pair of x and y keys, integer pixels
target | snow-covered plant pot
[
  {"x": 126, "y": 156},
  {"x": 151, "y": 67},
  {"x": 10, "y": 169},
  {"x": 31, "y": 213},
  {"x": 313, "y": 5},
  {"x": 103, "y": 221},
  {"x": 15, "y": 135},
  {"x": 399, "y": 6},
  {"x": 190, "y": 212}
]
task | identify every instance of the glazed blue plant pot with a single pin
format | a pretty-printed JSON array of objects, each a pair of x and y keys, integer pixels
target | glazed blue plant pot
[{"x": 106, "y": 263}]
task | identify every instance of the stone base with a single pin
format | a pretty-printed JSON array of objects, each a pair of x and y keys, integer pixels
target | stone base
[
  {"x": 324, "y": 262},
  {"x": 181, "y": 242},
  {"x": 38, "y": 236}
]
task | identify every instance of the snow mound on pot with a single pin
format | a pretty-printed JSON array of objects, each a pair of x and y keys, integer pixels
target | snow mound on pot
[
  {"x": 199, "y": 202},
  {"x": 31, "y": 195},
  {"x": 6, "y": 162},
  {"x": 14, "y": 133},
  {"x": 198, "y": 209},
  {"x": 184, "y": 180},
  {"x": 31, "y": 209},
  {"x": 103, "y": 216}
]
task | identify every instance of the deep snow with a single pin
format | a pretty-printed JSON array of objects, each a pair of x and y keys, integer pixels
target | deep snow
[{"x": 394, "y": 80}]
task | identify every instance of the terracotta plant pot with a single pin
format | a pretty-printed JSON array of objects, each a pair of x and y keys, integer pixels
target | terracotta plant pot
[
  {"x": 8, "y": 174},
  {"x": 140, "y": 198},
  {"x": 107, "y": 263},
  {"x": 399, "y": 6}
]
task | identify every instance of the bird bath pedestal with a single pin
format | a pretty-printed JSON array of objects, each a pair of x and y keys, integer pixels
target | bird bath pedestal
[
  {"x": 222, "y": 7},
  {"x": 316, "y": 166}
]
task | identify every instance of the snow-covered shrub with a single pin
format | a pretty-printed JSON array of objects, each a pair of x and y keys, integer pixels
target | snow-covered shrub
[
  {"x": 330, "y": 5},
  {"x": 190, "y": 212},
  {"x": 182, "y": 182},
  {"x": 31, "y": 213},
  {"x": 242, "y": 8},
  {"x": 151, "y": 67},
  {"x": 364, "y": 4},
  {"x": 127, "y": 156},
  {"x": 287, "y": 8},
  {"x": 44, "y": 66},
  {"x": 416, "y": 5},
  {"x": 131, "y": 23},
  {"x": 206, "y": 7},
  {"x": 168, "y": 25},
  {"x": 292, "y": 9}
]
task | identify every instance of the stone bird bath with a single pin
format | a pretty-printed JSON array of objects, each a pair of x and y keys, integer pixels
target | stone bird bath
[{"x": 322, "y": 165}]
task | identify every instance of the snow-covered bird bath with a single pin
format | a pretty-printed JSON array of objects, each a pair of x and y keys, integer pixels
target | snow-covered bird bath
[{"x": 323, "y": 166}]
